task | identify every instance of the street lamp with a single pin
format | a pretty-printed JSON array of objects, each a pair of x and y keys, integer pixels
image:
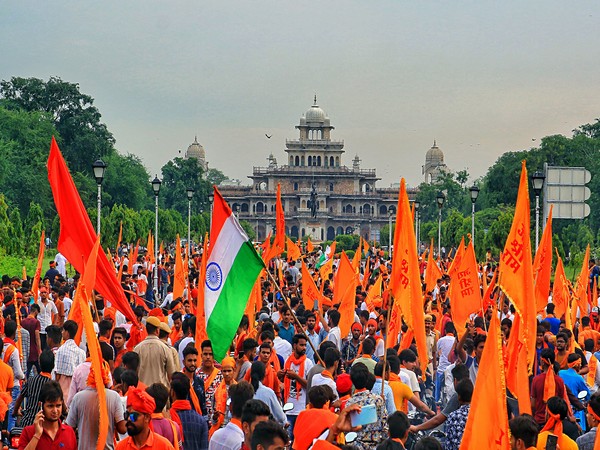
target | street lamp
[
  {"x": 190, "y": 193},
  {"x": 474, "y": 191},
  {"x": 417, "y": 227},
  {"x": 99, "y": 167},
  {"x": 156, "y": 188},
  {"x": 537, "y": 179},
  {"x": 391, "y": 212},
  {"x": 440, "y": 199},
  {"x": 211, "y": 198}
]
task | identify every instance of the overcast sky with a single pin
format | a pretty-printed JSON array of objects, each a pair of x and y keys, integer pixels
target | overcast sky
[{"x": 480, "y": 77}]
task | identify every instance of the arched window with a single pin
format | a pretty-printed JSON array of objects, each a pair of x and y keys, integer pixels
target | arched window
[
  {"x": 291, "y": 160},
  {"x": 330, "y": 187},
  {"x": 331, "y": 163},
  {"x": 319, "y": 161},
  {"x": 302, "y": 160},
  {"x": 382, "y": 210},
  {"x": 295, "y": 186},
  {"x": 309, "y": 160},
  {"x": 337, "y": 161},
  {"x": 297, "y": 160}
]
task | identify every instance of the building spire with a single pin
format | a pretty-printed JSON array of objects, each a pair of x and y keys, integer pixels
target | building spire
[
  {"x": 434, "y": 143},
  {"x": 315, "y": 103},
  {"x": 195, "y": 139}
]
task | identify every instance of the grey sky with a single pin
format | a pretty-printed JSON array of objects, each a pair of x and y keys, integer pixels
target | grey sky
[{"x": 480, "y": 77}]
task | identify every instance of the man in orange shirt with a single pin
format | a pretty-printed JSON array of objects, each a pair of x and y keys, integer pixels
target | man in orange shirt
[
  {"x": 588, "y": 333},
  {"x": 140, "y": 407}
]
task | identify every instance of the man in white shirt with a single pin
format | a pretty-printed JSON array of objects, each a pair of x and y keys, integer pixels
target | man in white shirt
[
  {"x": 61, "y": 264},
  {"x": 331, "y": 358},
  {"x": 335, "y": 334},
  {"x": 444, "y": 346},
  {"x": 231, "y": 436},
  {"x": 282, "y": 347},
  {"x": 47, "y": 308}
]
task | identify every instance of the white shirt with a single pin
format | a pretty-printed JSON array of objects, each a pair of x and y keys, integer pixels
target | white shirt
[
  {"x": 168, "y": 299},
  {"x": 335, "y": 336},
  {"x": 298, "y": 399},
  {"x": 45, "y": 315},
  {"x": 61, "y": 264},
  {"x": 282, "y": 347},
  {"x": 67, "y": 302},
  {"x": 230, "y": 437},
  {"x": 319, "y": 380}
]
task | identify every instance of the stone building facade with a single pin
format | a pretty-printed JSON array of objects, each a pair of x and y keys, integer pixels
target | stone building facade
[{"x": 321, "y": 196}]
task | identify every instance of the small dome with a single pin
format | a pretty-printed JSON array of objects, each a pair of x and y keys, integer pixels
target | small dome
[
  {"x": 315, "y": 114},
  {"x": 434, "y": 154},
  {"x": 195, "y": 150}
]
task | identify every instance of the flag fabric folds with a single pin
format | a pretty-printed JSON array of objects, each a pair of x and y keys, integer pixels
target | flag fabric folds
[
  {"x": 432, "y": 272},
  {"x": 35, "y": 286},
  {"x": 344, "y": 293},
  {"x": 200, "y": 316},
  {"x": 465, "y": 293},
  {"x": 293, "y": 252},
  {"x": 487, "y": 424},
  {"x": 542, "y": 266},
  {"x": 310, "y": 293},
  {"x": 77, "y": 235},
  {"x": 180, "y": 271},
  {"x": 232, "y": 268}
]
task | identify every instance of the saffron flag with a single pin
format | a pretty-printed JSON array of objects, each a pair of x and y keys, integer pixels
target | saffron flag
[
  {"x": 460, "y": 251},
  {"x": 432, "y": 272},
  {"x": 309, "y": 246},
  {"x": 119, "y": 238},
  {"x": 542, "y": 266},
  {"x": 344, "y": 293},
  {"x": 515, "y": 270},
  {"x": 134, "y": 257},
  {"x": 150, "y": 250},
  {"x": 83, "y": 296},
  {"x": 279, "y": 242},
  {"x": 487, "y": 424},
  {"x": 581, "y": 288},
  {"x": 200, "y": 316},
  {"x": 35, "y": 286},
  {"x": 77, "y": 235},
  {"x": 406, "y": 277},
  {"x": 232, "y": 268},
  {"x": 367, "y": 274},
  {"x": 293, "y": 252},
  {"x": 357, "y": 256},
  {"x": 179, "y": 276},
  {"x": 465, "y": 293},
  {"x": 517, "y": 378},
  {"x": 374, "y": 293},
  {"x": 560, "y": 290},
  {"x": 310, "y": 293}
]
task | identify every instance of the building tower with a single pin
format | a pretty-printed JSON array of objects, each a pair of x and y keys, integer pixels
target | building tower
[
  {"x": 196, "y": 151},
  {"x": 434, "y": 164}
]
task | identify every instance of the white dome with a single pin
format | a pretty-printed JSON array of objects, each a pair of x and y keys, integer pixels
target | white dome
[
  {"x": 195, "y": 150},
  {"x": 315, "y": 114},
  {"x": 434, "y": 154}
]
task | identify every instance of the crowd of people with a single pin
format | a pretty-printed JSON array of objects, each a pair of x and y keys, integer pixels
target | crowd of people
[{"x": 290, "y": 379}]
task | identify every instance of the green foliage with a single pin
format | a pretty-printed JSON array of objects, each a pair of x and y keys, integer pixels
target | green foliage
[
  {"x": 215, "y": 177},
  {"x": 346, "y": 242},
  {"x": 497, "y": 232},
  {"x": 15, "y": 233},
  {"x": 34, "y": 225},
  {"x": 126, "y": 183},
  {"x": 248, "y": 229},
  {"x": 384, "y": 234}
]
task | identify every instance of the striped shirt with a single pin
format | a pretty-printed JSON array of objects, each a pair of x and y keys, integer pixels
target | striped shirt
[
  {"x": 31, "y": 393},
  {"x": 68, "y": 356}
]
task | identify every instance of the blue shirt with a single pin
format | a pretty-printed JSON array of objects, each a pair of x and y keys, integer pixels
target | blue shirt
[
  {"x": 195, "y": 430},
  {"x": 554, "y": 324},
  {"x": 267, "y": 395},
  {"x": 286, "y": 333},
  {"x": 574, "y": 381},
  {"x": 387, "y": 394}
]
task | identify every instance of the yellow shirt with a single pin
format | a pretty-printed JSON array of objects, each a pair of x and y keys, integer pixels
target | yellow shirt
[
  {"x": 565, "y": 442},
  {"x": 402, "y": 393}
]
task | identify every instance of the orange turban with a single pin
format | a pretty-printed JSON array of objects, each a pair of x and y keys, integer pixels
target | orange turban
[
  {"x": 372, "y": 322},
  {"x": 356, "y": 326},
  {"x": 91, "y": 380},
  {"x": 228, "y": 361},
  {"x": 140, "y": 401}
]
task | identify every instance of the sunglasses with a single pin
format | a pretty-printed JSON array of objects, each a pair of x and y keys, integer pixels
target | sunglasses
[{"x": 134, "y": 416}]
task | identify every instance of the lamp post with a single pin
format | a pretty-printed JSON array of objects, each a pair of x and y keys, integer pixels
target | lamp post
[
  {"x": 391, "y": 211},
  {"x": 99, "y": 167},
  {"x": 156, "y": 189},
  {"x": 474, "y": 191},
  {"x": 417, "y": 227},
  {"x": 190, "y": 193},
  {"x": 537, "y": 179},
  {"x": 211, "y": 198},
  {"x": 440, "y": 199}
]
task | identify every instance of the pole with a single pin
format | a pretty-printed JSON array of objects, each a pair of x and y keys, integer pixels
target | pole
[
  {"x": 440, "y": 233},
  {"x": 390, "y": 306},
  {"x": 417, "y": 228},
  {"x": 537, "y": 220},
  {"x": 390, "y": 237},
  {"x": 99, "y": 198},
  {"x": 189, "y": 222},
  {"x": 472, "y": 221},
  {"x": 155, "y": 247},
  {"x": 297, "y": 322}
]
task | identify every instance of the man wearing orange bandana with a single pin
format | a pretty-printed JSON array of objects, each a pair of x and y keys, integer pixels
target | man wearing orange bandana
[
  {"x": 194, "y": 429},
  {"x": 294, "y": 379},
  {"x": 84, "y": 414},
  {"x": 557, "y": 411},
  {"x": 140, "y": 407},
  {"x": 222, "y": 394},
  {"x": 210, "y": 375},
  {"x": 545, "y": 385},
  {"x": 379, "y": 344}
]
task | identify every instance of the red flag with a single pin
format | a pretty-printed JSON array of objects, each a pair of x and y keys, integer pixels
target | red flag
[{"x": 77, "y": 235}]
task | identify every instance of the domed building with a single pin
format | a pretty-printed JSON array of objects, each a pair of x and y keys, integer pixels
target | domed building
[
  {"x": 196, "y": 151},
  {"x": 434, "y": 164},
  {"x": 321, "y": 196}
]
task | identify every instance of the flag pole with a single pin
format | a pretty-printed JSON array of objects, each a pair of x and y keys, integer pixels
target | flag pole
[
  {"x": 297, "y": 322},
  {"x": 390, "y": 306}
]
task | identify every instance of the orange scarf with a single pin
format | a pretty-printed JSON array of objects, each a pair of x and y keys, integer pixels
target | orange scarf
[
  {"x": 179, "y": 405},
  {"x": 287, "y": 383},
  {"x": 549, "y": 382},
  {"x": 220, "y": 405},
  {"x": 271, "y": 381},
  {"x": 194, "y": 396},
  {"x": 554, "y": 426},
  {"x": 593, "y": 365},
  {"x": 274, "y": 360},
  {"x": 327, "y": 374},
  {"x": 210, "y": 379}
]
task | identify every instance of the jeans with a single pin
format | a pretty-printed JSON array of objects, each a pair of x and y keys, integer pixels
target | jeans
[
  {"x": 11, "y": 407},
  {"x": 292, "y": 421},
  {"x": 439, "y": 384}
]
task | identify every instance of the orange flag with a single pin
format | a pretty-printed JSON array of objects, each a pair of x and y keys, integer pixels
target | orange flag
[
  {"x": 344, "y": 293},
  {"x": 581, "y": 288},
  {"x": 134, "y": 257},
  {"x": 465, "y": 294},
  {"x": 201, "y": 334},
  {"x": 83, "y": 296},
  {"x": 266, "y": 249},
  {"x": 309, "y": 246},
  {"x": 542, "y": 266},
  {"x": 35, "y": 286},
  {"x": 366, "y": 246},
  {"x": 432, "y": 272},
  {"x": 517, "y": 379},
  {"x": 150, "y": 251},
  {"x": 293, "y": 252},
  {"x": 374, "y": 292},
  {"x": 179, "y": 278},
  {"x": 357, "y": 256},
  {"x": 278, "y": 245},
  {"x": 367, "y": 274},
  {"x": 560, "y": 290},
  {"x": 327, "y": 268},
  {"x": 515, "y": 270},
  {"x": 487, "y": 424},
  {"x": 457, "y": 258},
  {"x": 250, "y": 310},
  {"x": 406, "y": 278},
  {"x": 310, "y": 293}
]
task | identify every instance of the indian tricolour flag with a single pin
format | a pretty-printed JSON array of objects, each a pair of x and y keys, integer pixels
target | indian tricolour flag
[{"x": 232, "y": 268}]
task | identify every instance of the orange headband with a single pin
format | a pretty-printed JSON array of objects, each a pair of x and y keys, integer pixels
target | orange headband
[
  {"x": 574, "y": 363},
  {"x": 591, "y": 411}
]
